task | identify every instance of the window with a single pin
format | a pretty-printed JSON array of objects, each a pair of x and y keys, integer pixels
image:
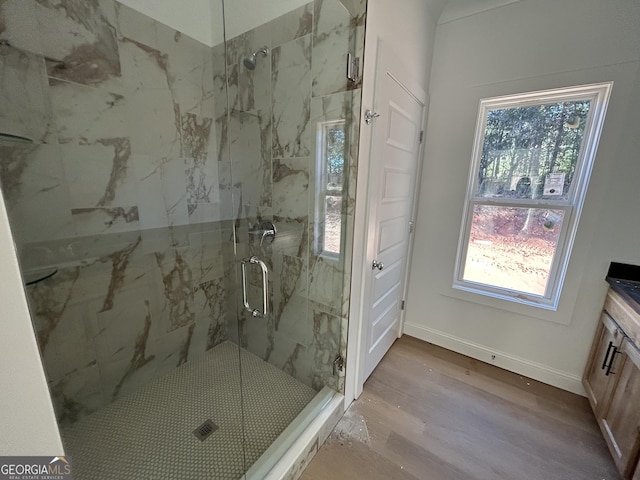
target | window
[
  {"x": 531, "y": 162},
  {"x": 329, "y": 187}
]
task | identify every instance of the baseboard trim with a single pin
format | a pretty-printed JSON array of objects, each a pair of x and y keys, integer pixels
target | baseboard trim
[{"x": 521, "y": 366}]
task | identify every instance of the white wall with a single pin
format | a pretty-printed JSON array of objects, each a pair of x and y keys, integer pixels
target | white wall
[
  {"x": 525, "y": 46},
  {"x": 199, "y": 19},
  {"x": 203, "y": 20},
  {"x": 27, "y": 422}
]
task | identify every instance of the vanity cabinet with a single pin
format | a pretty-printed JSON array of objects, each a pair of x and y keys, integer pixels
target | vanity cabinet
[
  {"x": 620, "y": 421},
  {"x": 612, "y": 383},
  {"x": 598, "y": 376}
]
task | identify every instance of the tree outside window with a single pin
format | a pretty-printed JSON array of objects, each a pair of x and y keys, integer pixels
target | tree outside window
[{"x": 532, "y": 159}]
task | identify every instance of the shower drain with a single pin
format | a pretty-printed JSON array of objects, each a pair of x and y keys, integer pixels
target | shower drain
[{"x": 204, "y": 430}]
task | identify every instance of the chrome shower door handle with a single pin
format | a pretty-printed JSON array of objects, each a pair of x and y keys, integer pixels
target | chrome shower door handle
[{"x": 265, "y": 287}]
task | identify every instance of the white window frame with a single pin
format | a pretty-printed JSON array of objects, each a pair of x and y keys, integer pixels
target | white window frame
[
  {"x": 321, "y": 188},
  {"x": 599, "y": 95}
]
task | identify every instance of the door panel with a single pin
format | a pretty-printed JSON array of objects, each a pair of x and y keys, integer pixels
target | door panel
[{"x": 394, "y": 162}]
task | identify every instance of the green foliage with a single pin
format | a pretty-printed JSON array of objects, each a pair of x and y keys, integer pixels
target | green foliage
[
  {"x": 524, "y": 144},
  {"x": 336, "y": 150}
]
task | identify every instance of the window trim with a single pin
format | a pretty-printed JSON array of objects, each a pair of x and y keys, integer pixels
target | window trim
[
  {"x": 321, "y": 190},
  {"x": 599, "y": 95}
]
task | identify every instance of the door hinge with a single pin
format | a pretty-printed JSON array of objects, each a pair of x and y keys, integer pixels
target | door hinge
[
  {"x": 338, "y": 365},
  {"x": 402, "y": 305},
  {"x": 421, "y": 135},
  {"x": 353, "y": 68},
  {"x": 412, "y": 226}
]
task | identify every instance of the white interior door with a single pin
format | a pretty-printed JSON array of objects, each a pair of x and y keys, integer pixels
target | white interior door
[{"x": 395, "y": 152}]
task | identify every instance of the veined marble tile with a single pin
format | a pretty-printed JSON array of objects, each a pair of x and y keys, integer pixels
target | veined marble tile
[
  {"x": 250, "y": 158},
  {"x": 77, "y": 394},
  {"x": 356, "y": 8},
  {"x": 100, "y": 174},
  {"x": 198, "y": 146},
  {"x": 128, "y": 327},
  {"x": 289, "y": 280},
  {"x": 348, "y": 223},
  {"x": 161, "y": 191},
  {"x": 142, "y": 66},
  {"x": 19, "y": 25},
  {"x": 79, "y": 39},
  {"x": 26, "y": 109},
  {"x": 206, "y": 261},
  {"x": 211, "y": 315},
  {"x": 136, "y": 26},
  {"x": 291, "y": 98},
  {"x": 325, "y": 283},
  {"x": 291, "y": 187},
  {"x": 123, "y": 377},
  {"x": 292, "y": 236},
  {"x": 189, "y": 71},
  {"x": 294, "y": 24},
  {"x": 85, "y": 114},
  {"x": 36, "y": 192},
  {"x": 248, "y": 90},
  {"x": 331, "y": 34},
  {"x": 294, "y": 359},
  {"x": 70, "y": 347},
  {"x": 154, "y": 123},
  {"x": 245, "y": 44},
  {"x": 227, "y": 191},
  {"x": 207, "y": 212},
  {"x": 326, "y": 346},
  {"x": 49, "y": 300},
  {"x": 222, "y": 137},
  {"x": 344, "y": 335},
  {"x": 172, "y": 349},
  {"x": 97, "y": 220},
  {"x": 176, "y": 284},
  {"x": 253, "y": 86},
  {"x": 293, "y": 323}
]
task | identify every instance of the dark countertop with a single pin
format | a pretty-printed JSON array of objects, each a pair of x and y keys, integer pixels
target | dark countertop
[{"x": 625, "y": 281}]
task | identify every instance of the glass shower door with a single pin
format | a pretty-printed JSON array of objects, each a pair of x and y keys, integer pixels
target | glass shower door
[{"x": 292, "y": 130}]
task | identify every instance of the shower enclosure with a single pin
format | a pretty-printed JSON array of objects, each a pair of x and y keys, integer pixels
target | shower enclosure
[{"x": 180, "y": 181}]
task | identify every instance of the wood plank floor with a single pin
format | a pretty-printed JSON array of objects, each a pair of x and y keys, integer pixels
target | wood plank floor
[{"x": 430, "y": 414}]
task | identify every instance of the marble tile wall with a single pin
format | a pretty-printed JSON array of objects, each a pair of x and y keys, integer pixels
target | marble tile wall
[
  {"x": 142, "y": 183},
  {"x": 276, "y": 110},
  {"x": 122, "y": 190}
]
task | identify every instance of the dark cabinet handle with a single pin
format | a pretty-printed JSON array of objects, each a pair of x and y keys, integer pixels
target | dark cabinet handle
[
  {"x": 606, "y": 357},
  {"x": 613, "y": 356}
]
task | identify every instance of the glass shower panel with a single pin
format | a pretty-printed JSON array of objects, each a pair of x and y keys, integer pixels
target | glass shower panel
[
  {"x": 120, "y": 205},
  {"x": 292, "y": 123}
]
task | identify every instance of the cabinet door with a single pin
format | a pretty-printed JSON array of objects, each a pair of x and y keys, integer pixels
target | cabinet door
[
  {"x": 621, "y": 421},
  {"x": 596, "y": 380}
]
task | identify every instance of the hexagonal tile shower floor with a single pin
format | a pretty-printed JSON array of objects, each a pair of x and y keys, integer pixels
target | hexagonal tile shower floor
[{"x": 150, "y": 433}]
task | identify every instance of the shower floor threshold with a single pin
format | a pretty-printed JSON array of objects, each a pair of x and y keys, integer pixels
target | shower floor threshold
[{"x": 149, "y": 433}]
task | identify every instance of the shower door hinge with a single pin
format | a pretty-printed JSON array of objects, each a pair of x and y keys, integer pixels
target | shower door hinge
[
  {"x": 421, "y": 135},
  {"x": 402, "y": 305},
  {"x": 353, "y": 68},
  {"x": 338, "y": 365}
]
